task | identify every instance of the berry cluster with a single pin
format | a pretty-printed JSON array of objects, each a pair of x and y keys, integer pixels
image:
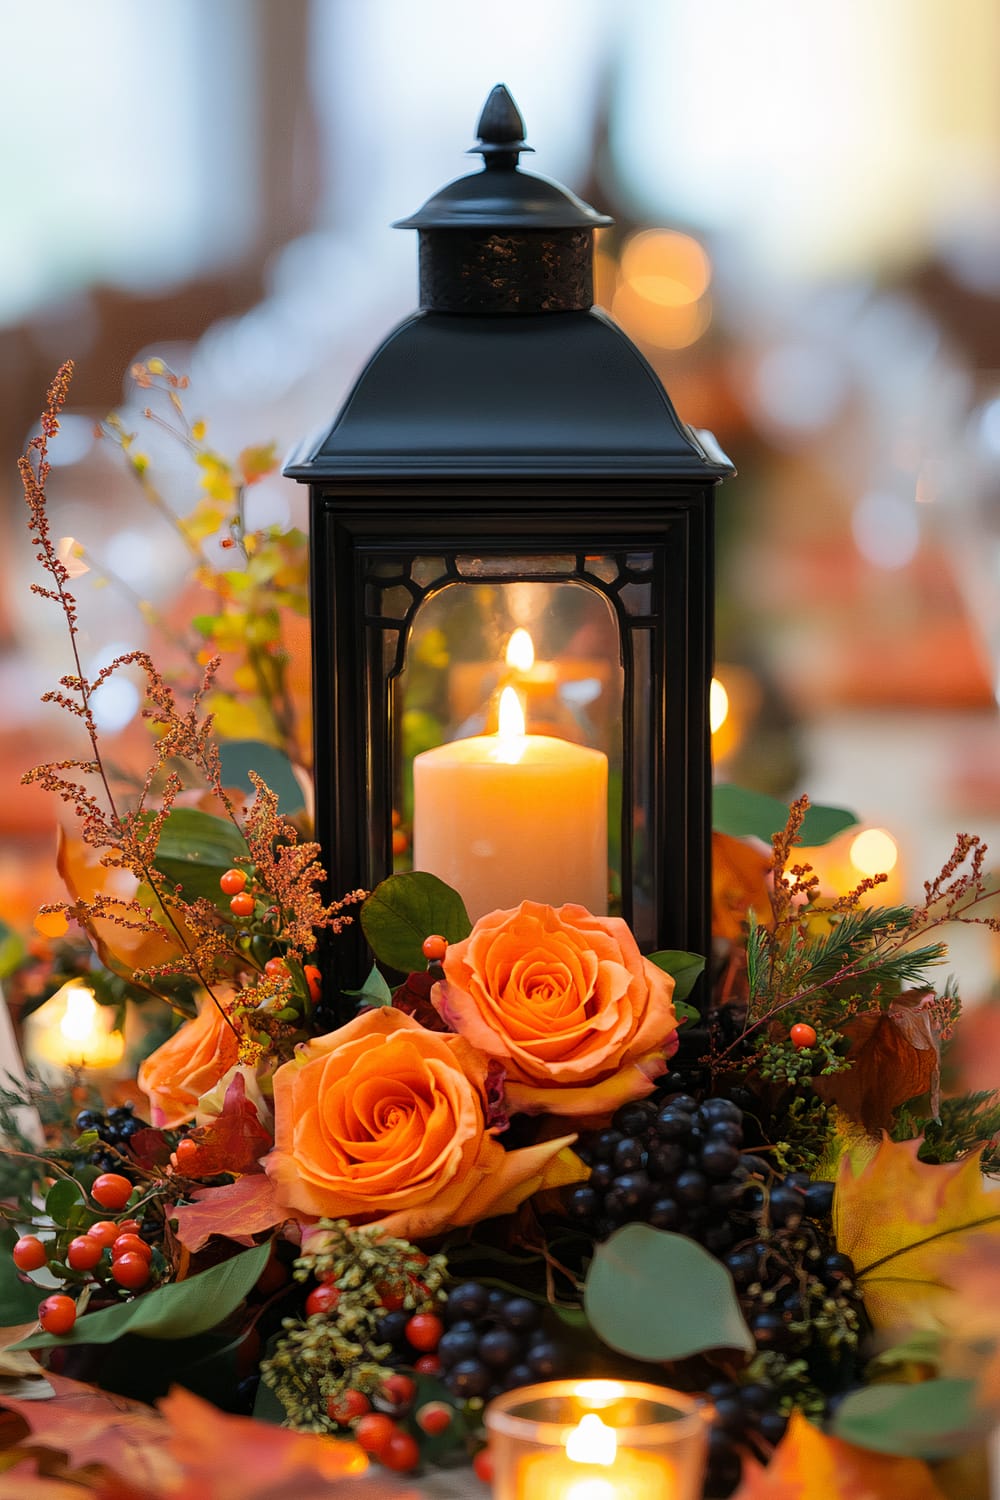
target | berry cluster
[
  {"x": 114, "y": 1131},
  {"x": 677, "y": 1166},
  {"x": 742, "y": 1414},
  {"x": 110, "y": 1254},
  {"x": 494, "y": 1342}
]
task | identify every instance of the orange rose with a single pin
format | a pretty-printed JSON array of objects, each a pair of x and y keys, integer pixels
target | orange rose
[
  {"x": 384, "y": 1123},
  {"x": 580, "y": 1020},
  {"x": 188, "y": 1065}
]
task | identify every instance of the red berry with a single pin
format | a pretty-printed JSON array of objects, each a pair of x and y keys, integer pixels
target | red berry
[
  {"x": 57, "y": 1314},
  {"x": 482, "y": 1466},
  {"x": 401, "y": 1453},
  {"x": 131, "y": 1271},
  {"x": 322, "y": 1299},
  {"x": 242, "y": 905},
  {"x": 105, "y": 1232},
  {"x": 130, "y": 1244},
  {"x": 275, "y": 968},
  {"x": 373, "y": 1432},
  {"x": 435, "y": 1417},
  {"x": 434, "y": 947},
  {"x": 391, "y": 1297},
  {"x": 314, "y": 980},
  {"x": 111, "y": 1191},
  {"x": 129, "y": 1226},
  {"x": 399, "y": 1390},
  {"x": 427, "y": 1364},
  {"x": 424, "y": 1331},
  {"x": 186, "y": 1154},
  {"x": 802, "y": 1035},
  {"x": 348, "y": 1405},
  {"x": 29, "y": 1253},
  {"x": 84, "y": 1252},
  {"x": 232, "y": 882}
]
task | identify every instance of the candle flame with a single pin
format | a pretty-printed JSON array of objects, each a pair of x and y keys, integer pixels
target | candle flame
[
  {"x": 521, "y": 651},
  {"x": 592, "y": 1442},
  {"x": 510, "y": 718},
  {"x": 79, "y": 1023},
  {"x": 718, "y": 705}
]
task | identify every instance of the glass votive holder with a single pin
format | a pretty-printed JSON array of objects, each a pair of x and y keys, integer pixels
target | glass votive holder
[{"x": 596, "y": 1440}]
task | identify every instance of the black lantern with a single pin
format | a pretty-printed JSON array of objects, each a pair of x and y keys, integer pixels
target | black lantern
[{"x": 508, "y": 466}]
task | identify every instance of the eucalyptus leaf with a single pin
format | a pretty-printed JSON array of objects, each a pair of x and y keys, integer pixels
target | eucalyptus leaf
[
  {"x": 684, "y": 968},
  {"x": 685, "y": 1012},
  {"x": 12, "y": 950},
  {"x": 374, "y": 991},
  {"x": 659, "y": 1296},
  {"x": 240, "y": 757},
  {"x": 61, "y": 1197},
  {"x": 932, "y": 1419},
  {"x": 742, "y": 813},
  {"x": 195, "y": 848},
  {"x": 179, "y": 1310},
  {"x": 404, "y": 910}
]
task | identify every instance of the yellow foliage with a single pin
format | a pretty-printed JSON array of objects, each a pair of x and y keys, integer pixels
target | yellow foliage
[{"x": 904, "y": 1223}]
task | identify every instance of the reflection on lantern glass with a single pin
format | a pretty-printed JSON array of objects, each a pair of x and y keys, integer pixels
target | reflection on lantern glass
[{"x": 482, "y": 652}]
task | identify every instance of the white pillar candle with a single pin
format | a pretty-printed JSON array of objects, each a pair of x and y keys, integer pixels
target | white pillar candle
[{"x": 512, "y": 817}]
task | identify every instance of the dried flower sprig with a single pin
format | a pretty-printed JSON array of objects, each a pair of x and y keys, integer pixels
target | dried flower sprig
[{"x": 210, "y": 946}]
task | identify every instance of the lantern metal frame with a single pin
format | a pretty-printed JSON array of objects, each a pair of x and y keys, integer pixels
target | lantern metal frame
[{"x": 509, "y": 431}]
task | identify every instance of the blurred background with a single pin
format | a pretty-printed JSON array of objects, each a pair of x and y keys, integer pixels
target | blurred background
[{"x": 807, "y": 249}]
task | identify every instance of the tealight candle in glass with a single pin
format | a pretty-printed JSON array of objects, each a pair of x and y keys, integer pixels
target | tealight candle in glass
[{"x": 596, "y": 1440}]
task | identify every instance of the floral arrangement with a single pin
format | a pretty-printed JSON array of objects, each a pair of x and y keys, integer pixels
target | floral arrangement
[{"x": 312, "y": 1237}]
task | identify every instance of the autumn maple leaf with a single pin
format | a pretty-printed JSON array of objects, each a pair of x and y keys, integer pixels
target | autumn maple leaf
[
  {"x": 904, "y": 1223},
  {"x": 808, "y": 1465}
]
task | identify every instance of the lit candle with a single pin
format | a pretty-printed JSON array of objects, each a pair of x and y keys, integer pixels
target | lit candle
[
  {"x": 72, "y": 1031},
  {"x": 596, "y": 1440},
  {"x": 513, "y": 817},
  {"x": 591, "y": 1468}
]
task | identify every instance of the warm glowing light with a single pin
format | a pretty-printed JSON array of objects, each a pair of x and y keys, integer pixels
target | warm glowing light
[
  {"x": 718, "y": 705},
  {"x": 874, "y": 852},
  {"x": 592, "y": 1442},
  {"x": 666, "y": 267},
  {"x": 667, "y": 326},
  {"x": 72, "y": 1031},
  {"x": 521, "y": 651}
]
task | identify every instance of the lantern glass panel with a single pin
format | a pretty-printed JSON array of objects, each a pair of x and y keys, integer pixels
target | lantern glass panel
[{"x": 455, "y": 634}]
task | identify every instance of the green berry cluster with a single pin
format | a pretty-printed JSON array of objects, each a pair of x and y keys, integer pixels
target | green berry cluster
[{"x": 779, "y": 1060}]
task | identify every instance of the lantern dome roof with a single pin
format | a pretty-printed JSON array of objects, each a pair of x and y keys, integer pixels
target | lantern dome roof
[
  {"x": 501, "y": 196},
  {"x": 449, "y": 396}
]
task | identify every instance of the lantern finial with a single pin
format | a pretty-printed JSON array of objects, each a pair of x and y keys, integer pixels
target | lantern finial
[{"x": 500, "y": 130}]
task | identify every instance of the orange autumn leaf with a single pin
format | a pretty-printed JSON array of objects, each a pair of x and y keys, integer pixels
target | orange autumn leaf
[
  {"x": 238, "y": 1211},
  {"x": 808, "y": 1465},
  {"x": 233, "y": 1142},
  {"x": 904, "y": 1223},
  {"x": 23, "y": 1482},
  {"x": 121, "y": 949},
  {"x": 893, "y": 1058},
  {"x": 205, "y": 1440},
  {"x": 739, "y": 883},
  {"x": 91, "y": 1426}
]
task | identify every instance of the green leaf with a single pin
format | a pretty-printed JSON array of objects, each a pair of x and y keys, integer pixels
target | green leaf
[
  {"x": 195, "y": 848},
  {"x": 743, "y": 813},
  {"x": 684, "y": 968},
  {"x": 18, "y": 1299},
  {"x": 374, "y": 991},
  {"x": 404, "y": 910},
  {"x": 12, "y": 950},
  {"x": 179, "y": 1310},
  {"x": 932, "y": 1419},
  {"x": 240, "y": 757},
  {"x": 61, "y": 1198},
  {"x": 659, "y": 1296},
  {"x": 685, "y": 1012}
]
